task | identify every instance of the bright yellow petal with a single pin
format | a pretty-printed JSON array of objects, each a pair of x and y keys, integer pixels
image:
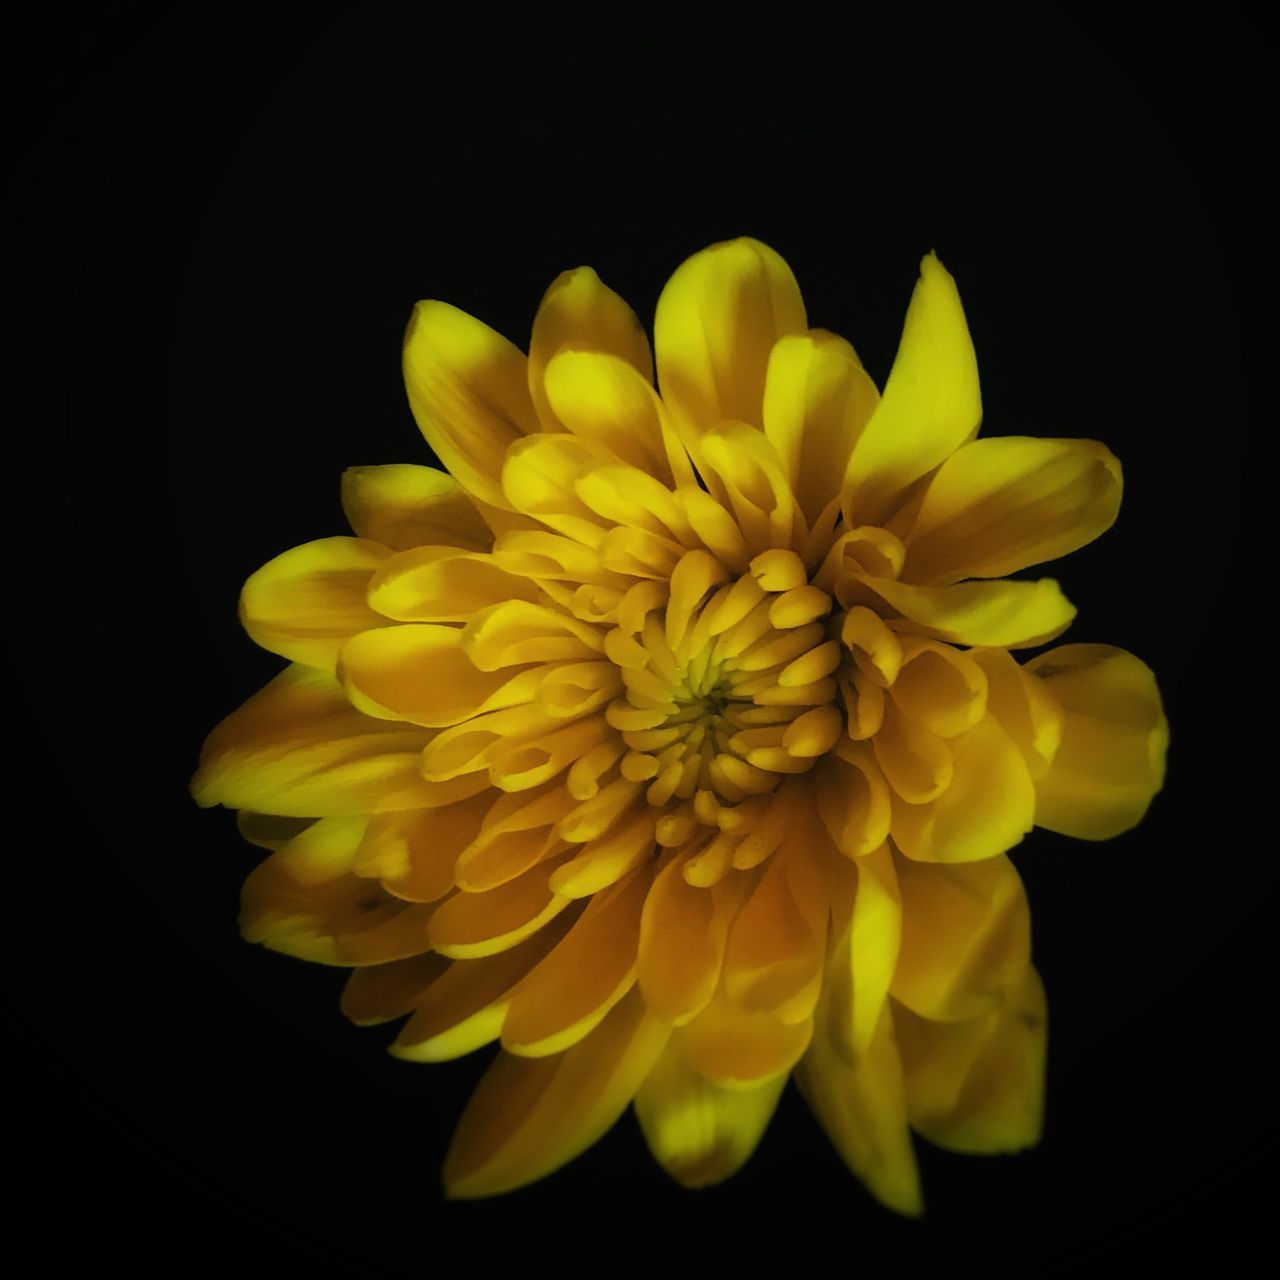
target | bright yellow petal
[
  {"x": 469, "y": 393},
  {"x": 1026, "y": 709},
  {"x": 977, "y": 1087},
  {"x": 987, "y": 808},
  {"x": 817, "y": 400},
  {"x": 527, "y": 1117},
  {"x": 580, "y": 312},
  {"x": 996, "y": 506},
  {"x": 734, "y": 1048},
  {"x": 862, "y": 1109},
  {"x": 930, "y": 406},
  {"x": 298, "y": 748},
  {"x": 442, "y": 584},
  {"x": 699, "y": 1133},
  {"x": 966, "y": 937},
  {"x": 307, "y": 603},
  {"x": 401, "y": 505},
  {"x": 1114, "y": 741},
  {"x": 853, "y": 799},
  {"x": 717, "y": 321},
  {"x": 1004, "y": 615}
]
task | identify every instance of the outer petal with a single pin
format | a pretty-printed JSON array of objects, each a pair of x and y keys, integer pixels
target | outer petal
[
  {"x": 930, "y": 406},
  {"x": 580, "y": 312},
  {"x": 817, "y": 400},
  {"x": 299, "y": 749},
  {"x": 862, "y": 1109},
  {"x": 1111, "y": 762},
  {"x": 733, "y": 1048},
  {"x": 383, "y": 992},
  {"x": 717, "y": 320},
  {"x": 997, "y": 506},
  {"x": 443, "y": 584},
  {"x": 699, "y": 1133},
  {"x": 529, "y": 1117},
  {"x": 401, "y": 505},
  {"x": 977, "y": 1087},
  {"x": 469, "y": 394},
  {"x": 966, "y": 938}
]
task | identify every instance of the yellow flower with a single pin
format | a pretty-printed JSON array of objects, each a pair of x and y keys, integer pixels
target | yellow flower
[{"x": 673, "y": 738}]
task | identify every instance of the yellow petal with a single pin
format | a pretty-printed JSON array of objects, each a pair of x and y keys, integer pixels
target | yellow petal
[
  {"x": 989, "y": 805},
  {"x": 466, "y": 1006},
  {"x": 930, "y": 406},
  {"x": 1114, "y": 741},
  {"x": 469, "y": 393},
  {"x": 862, "y": 1109},
  {"x": 307, "y": 603},
  {"x": 817, "y": 400},
  {"x": 442, "y": 584},
  {"x": 997, "y": 506},
  {"x": 916, "y": 763},
  {"x": 740, "y": 463},
  {"x": 1004, "y": 615},
  {"x": 538, "y": 479},
  {"x": 699, "y": 1133},
  {"x": 977, "y": 1087},
  {"x": 384, "y": 992},
  {"x": 268, "y": 831},
  {"x": 527, "y": 1118},
  {"x": 733, "y": 1048},
  {"x": 966, "y": 937},
  {"x": 469, "y": 925},
  {"x": 517, "y": 833},
  {"x": 420, "y": 673},
  {"x": 510, "y": 634},
  {"x": 603, "y": 399},
  {"x": 580, "y": 312},
  {"x": 569, "y": 993},
  {"x": 940, "y": 688},
  {"x": 298, "y": 748},
  {"x": 1026, "y": 709},
  {"x": 717, "y": 321},
  {"x": 414, "y": 853},
  {"x": 401, "y": 505},
  {"x": 853, "y": 799}
]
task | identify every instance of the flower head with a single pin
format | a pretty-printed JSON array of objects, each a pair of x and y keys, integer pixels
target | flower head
[{"x": 673, "y": 737}]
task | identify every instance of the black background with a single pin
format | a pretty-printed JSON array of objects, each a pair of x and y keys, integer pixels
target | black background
[{"x": 227, "y": 219}]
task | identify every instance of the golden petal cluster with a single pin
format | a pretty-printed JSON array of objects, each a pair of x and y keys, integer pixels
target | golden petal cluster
[{"x": 673, "y": 738}]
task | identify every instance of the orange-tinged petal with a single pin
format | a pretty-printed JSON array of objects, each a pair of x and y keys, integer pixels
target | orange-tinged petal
[
  {"x": 414, "y": 852},
  {"x": 298, "y": 748},
  {"x": 733, "y": 1047},
  {"x": 930, "y": 404},
  {"x": 581, "y": 313},
  {"x": 977, "y": 1087},
  {"x": 966, "y": 937},
  {"x": 988, "y": 807},
  {"x": 817, "y": 400},
  {"x": 383, "y": 992},
  {"x": 996, "y": 506},
  {"x": 569, "y": 993},
  {"x": 698, "y": 1132},
  {"x": 528, "y": 1117},
  {"x": 717, "y": 321},
  {"x": 1115, "y": 737},
  {"x": 469, "y": 393},
  {"x": 401, "y": 505}
]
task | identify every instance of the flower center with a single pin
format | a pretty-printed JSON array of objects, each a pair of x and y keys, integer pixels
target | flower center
[{"x": 728, "y": 685}]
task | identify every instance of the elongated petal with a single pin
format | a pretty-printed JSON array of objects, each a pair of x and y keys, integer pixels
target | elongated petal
[
  {"x": 717, "y": 321},
  {"x": 987, "y": 808},
  {"x": 966, "y": 937},
  {"x": 1115, "y": 737},
  {"x": 414, "y": 852},
  {"x": 853, "y": 799},
  {"x": 997, "y": 506},
  {"x": 383, "y": 992},
  {"x": 977, "y": 1087},
  {"x": 307, "y": 603},
  {"x": 1005, "y": 615},
  {"x": 401, "y": 505},
  {"x": 862, "y": 1109},
  {"x": 528, "y": 1117},
  {"x": 443, "y": 584},
  {"x": 930, "y": 406},
  {"x": 699, "y": 1133},
  {"x": 469, "y": 393},
  {"x": 298, "y": 748},
  {"x": 817, "y": 400},
  {"x": 732, "y": 1047},
  {"x": 571, "y": 991}
]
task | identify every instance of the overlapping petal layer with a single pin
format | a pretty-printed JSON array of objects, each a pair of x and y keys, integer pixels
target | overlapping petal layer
[{"x": 673, "y": 742}]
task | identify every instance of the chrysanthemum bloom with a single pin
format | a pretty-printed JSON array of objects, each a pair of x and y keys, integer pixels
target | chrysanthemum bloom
[{"x": 673, "y": 738}]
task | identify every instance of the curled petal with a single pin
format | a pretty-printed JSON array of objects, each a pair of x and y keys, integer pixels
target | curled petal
[
  {"x": 930, "y": 405},
  {"x": 732, "y": 1047},
  {"x": 853, "y": 800},
  {"x": 1025, "y": 707},
  {"x": 698, "y": 1132},
  {"x": 402, "y": 506},
  {"x": 940, "y": 688},
  {"x": 469, "y": 393},
  {"x": 527, "y": 1117},
  {"x": 997, "y": 506}
]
